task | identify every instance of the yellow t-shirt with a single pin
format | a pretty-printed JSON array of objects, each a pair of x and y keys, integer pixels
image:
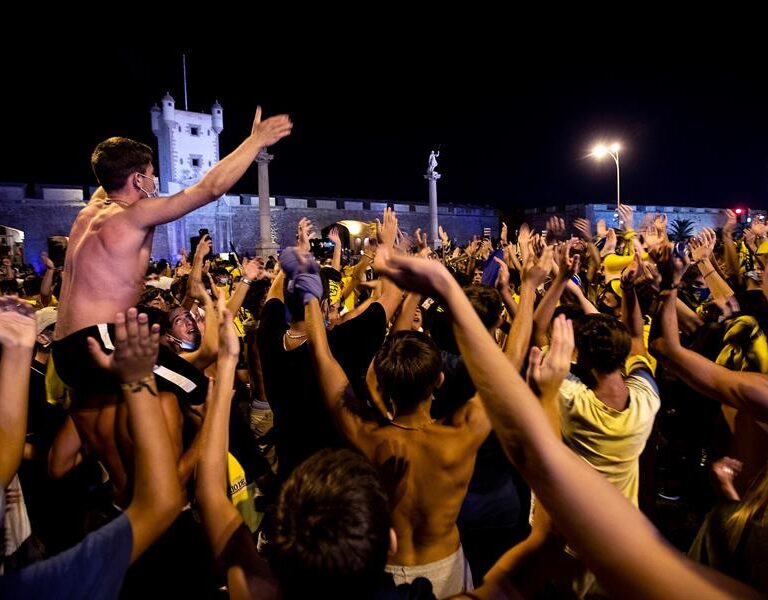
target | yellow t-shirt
[{"x": 608, "y": 439}]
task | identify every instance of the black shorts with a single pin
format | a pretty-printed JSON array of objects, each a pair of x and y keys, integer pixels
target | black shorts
[{"x": 76, "y": 368}]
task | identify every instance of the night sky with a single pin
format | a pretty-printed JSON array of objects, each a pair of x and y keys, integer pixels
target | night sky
[{"x": 513, "y": 131}]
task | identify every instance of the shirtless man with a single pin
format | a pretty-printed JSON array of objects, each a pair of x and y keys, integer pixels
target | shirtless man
[
  {"x": 441, "y": 455},
  {"x": 109, "y": 248}
]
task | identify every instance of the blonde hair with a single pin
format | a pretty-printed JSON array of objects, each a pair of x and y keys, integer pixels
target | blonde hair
[{"x": 751, "y": 507}]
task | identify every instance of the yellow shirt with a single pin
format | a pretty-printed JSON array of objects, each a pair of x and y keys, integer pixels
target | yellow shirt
[{"x": 608, "y": 439}]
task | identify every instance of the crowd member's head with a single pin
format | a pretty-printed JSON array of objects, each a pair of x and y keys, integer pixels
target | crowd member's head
[
  {"x": 602, "y": 343},
  {"x": 31, "y": 285},
  {"x": 158, "y": 298},
  {"x": 181, "y": 330},
  {"x": 332, "y": 528},
  {"x": 487, "y": 304},
  {"x": 119, "y": 162},
  {"x": 9, "y": 287},
  {"x": 408, "y": 368},
  {"x": 45, "y": 322}
]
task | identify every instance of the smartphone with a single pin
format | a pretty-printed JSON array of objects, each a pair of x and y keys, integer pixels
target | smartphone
[
  {"x": 321, "y": 248},
  {"x": 57, "y": 249},
  {"x": 486, "y": 233},
  {"x": 680, "y": 249}
]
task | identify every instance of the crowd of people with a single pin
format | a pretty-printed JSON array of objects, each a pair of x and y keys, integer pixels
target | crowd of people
[{"x": 491, "y": 418}]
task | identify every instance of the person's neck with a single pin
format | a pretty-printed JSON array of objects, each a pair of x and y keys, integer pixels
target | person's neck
[
  {"x": 610, "y": 389},
  {"x": 419, "y": 417},
  {"x": 41, "y": 356},
  {"x": 120, "y": 198}
]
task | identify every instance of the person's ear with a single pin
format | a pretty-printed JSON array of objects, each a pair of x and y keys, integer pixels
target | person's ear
[
  {"x": 440, "y": 380},
  {"x": 392, "y": 542}
]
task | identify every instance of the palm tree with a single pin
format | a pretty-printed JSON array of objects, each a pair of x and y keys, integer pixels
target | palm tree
[{"x": 681, "y": 230}]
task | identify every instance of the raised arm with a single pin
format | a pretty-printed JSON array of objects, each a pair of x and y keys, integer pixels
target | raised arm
[
  {"x": 519, "y": 339},
  {"x": 740, "y": 389},
  {"x": 334, "y": 236},
  {"x": 17, "y": 342},
  {"x": 157, "y": 496},
  {"x": 615, "y": 540},
  {"x": 630, "y": 307},
  {"x": 247, "y": 573},
  {"x": 542, "y": 317},
  {"x": 334, "y": 384},
  {"x": 216, "y": 182}
]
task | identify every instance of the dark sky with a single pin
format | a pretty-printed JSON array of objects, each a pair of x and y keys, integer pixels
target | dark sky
[{"x": 514, "y": 127}]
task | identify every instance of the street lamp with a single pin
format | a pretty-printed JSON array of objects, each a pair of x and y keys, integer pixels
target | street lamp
[{"x": 599, "y": 152}]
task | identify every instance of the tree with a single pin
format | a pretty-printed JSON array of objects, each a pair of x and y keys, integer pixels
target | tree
[{"x": 681, "y": 230}]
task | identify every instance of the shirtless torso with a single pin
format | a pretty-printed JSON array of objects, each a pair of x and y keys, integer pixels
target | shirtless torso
[{"x": 441, "y": 459}]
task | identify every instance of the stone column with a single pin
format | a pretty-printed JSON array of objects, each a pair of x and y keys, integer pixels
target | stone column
[
  {"x": 266, "y": 244},
  {"x": 432, "y": 176}
]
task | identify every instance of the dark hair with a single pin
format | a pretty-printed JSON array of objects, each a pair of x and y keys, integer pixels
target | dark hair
[
  {"x": 487, "y": 303},
  {"x": 331, "y": 532},
  {"x": 602, "y": 341},
  {"x": 8, "y": 287},
  {"x": 32, "y": 285},
  {"x": 407, "y": 367},
  {"x": 116, "y": 158}
]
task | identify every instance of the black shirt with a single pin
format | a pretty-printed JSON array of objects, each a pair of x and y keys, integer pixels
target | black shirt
[{"x": 302, "y": 423}]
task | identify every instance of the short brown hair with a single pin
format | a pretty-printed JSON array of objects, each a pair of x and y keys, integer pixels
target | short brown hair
[{"x": 116, "y": 158}]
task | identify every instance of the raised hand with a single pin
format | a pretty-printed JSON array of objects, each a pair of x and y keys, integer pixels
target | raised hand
[
  {"x": 555, "y": 229},
  {"x": 626, "y": 215},
  {"x": 203, "y": 249},
  {"x": 304, "y": 232},
  {"x": 569, "y": 261},
  {"x": 730, "y": 222},
  {"x": 660, "y": 222},
  {"x": 229, "y": 343},
  {"x": 473, "y": 246},
  {"x": 726, "y": 470},
  {"x": 136, "y": 346},
  {"x": 443, "y": 236},
  {"x": 535, "y": 271},
  {"x": 253, "y": 268},
  {"x": 610, "y": 243},
  {"x": 388, "y": 229},
  {"x": 632, "y": 272},
  {"x": 584, "y": 227},
  {"x": 502, "y": 279},
  {"x": 17, "y": 323},
  {"x": 272, "y": 129},
  {"x": 47, "y": 261},
  {"x": 334, "y": 236},
  {"x": 546, "y": 372},
  {"x": 428, "y": 277},
  {"x": 504, "y": 232},
  {"x": 602, "y": 230},
  {"x": 703, "y": 245},
  {"x": 671, "y": 267}
]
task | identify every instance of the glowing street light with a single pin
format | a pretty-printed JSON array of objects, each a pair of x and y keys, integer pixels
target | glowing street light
[{"x": 599, "y": 152}]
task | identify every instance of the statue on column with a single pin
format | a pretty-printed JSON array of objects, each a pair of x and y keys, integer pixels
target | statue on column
[{"x": 432, "y": 163}]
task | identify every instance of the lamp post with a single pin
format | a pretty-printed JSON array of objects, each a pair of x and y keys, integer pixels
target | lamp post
[{"x": 600, "y": 151}]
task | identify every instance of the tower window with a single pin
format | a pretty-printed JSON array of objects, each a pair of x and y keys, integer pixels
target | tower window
[
  {"x": 195, "y": 162},
  {"x": 194, "y": 130},
  {"x": 179, "y": 128},
  {"x": 181, "y": 161}
]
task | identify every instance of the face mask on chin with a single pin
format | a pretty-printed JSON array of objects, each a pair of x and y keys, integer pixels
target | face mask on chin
[{"x": 185, "y": 345}]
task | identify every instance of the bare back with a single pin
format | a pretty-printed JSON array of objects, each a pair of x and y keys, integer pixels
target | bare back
[
  {"x": 104, "y": 268},
  {"x": 441, "y": 460}
]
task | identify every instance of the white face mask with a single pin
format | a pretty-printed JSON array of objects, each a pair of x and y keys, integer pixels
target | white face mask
[
  {"x": 156, "y": 186},
  {"x": 183, "y": 344}
]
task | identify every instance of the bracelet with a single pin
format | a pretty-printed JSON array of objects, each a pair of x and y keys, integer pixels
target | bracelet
[
  {"x": 137, "y": 386},
  {"x": 246, "y": 281},
  {"x": 672, "y": 286}
]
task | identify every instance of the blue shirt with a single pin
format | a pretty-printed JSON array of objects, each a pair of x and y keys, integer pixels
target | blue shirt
[{"x": 93, "y": 569}]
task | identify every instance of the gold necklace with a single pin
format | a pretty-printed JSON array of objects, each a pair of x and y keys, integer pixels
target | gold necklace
[{"x": 294, "y": 336}]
